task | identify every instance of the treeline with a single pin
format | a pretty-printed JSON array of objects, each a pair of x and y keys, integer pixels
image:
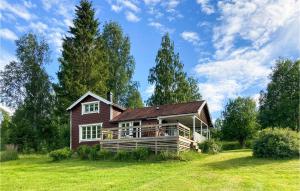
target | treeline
[
  {"x": 93, "y": 59},
  {"x": 278, "y": 106}
]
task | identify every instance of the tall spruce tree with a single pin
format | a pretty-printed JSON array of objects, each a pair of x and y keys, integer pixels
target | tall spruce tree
[
  {"x": 121, "y": 63},
  {"x": 31, "y": 124},
  {"x": 279, "y": 105},
  {"x": 83, "y": 62},
  {"x": 171, "y": 83}
]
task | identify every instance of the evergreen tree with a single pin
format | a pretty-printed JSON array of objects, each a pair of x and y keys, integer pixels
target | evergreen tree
[
  {"x": 83, "y": 63},
  {"x": 31, "y": 123},
  {"x": 171, "y": 83},
  {"x": 279, "y": 105},
  {"x": 134, "y": 99},
  {"x": 239, "y": 120},
  {"x": 121, "y": 63}
]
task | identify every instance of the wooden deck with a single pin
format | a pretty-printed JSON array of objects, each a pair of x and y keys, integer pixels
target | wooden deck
[{"x": 160, "y": 137}]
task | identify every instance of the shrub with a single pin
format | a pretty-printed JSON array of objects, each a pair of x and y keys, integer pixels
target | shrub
[
  {"x": 10, "y": 153},
  {"x": 140, "y": 154},
  {"x": 105, "y": 154},
  {"x": 210, "y": 146},
  {"x": 122, "y": 155},
  {"x": 83, "y": 152},
  {"x": 93, "y": 152},
  {"x": 60, "y": 154},
  {"x": 276, "y": 143}
]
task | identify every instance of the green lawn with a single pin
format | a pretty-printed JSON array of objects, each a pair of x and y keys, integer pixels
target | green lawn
[{"x": 231, "y": 170}]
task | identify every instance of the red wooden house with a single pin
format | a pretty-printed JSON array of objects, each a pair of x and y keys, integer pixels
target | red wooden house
[{"x": 95, "y": 120}]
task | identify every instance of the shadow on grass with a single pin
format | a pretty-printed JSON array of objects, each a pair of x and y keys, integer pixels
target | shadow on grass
[{"x": 247, "y": 161}]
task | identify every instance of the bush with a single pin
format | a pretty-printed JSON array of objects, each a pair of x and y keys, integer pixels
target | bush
[
  {"x": 122, "y": 155},
  {"x": 233, "y": 145},
  {"x": 84, "y": 152},
  {"x": 140, "y": 154},
  {"x": 210, "y": 146},
  {"x": 105, "y": 154},
  {"x": 60, "y": 154},
  {"x": 10, "y": 153},
  {"x": 276, "y": 143}
]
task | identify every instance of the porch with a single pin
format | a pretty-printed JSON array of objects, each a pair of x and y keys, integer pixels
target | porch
[{"x": 157, "y": 137}]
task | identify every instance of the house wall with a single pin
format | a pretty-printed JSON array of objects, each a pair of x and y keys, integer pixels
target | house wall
[{"x": 78, "y": 119}]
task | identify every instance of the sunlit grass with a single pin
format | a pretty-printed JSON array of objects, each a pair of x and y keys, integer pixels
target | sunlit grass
[{"x": 231, "y": 170}]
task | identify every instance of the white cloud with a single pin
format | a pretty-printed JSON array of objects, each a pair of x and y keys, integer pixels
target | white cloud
[
  {"x": 191, "y": 37},
  {"x": 239, "y": 69},
  {"x": 151, "y": 2},
  {"x": 161, "y": 28},
  {"x": 29, "y": 4},
  {"x": 130, "y": 5},
  {"x": 130, "y": 16},
  {"x": 116, "y": 8},
  {"x": 206, "y": 7},
  {"x": 8, "y": 34},
  {"x": 16, "y": 9},
  {"x": 38, "y": 27},
  {"x": 5, "y": 58},
  {"x": 149, "y": 90}
]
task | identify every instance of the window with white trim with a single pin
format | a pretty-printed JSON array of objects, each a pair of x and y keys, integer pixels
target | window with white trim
[
  {"x": 90, "y": 132},
  {"x": 90, "y": 107}
]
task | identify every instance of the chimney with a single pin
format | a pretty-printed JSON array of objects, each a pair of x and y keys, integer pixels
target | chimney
[{"x": 110, "y": 96}]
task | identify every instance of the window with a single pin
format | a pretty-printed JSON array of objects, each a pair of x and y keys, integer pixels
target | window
[
  {"x": 90, "y": 132},
  {"x": 130, "y": 132},
  {"x": 90, "y": 107}
]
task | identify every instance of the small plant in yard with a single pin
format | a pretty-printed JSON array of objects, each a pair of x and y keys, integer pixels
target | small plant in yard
[
  {"x": 10, "y": 153},
  {"x": 123, "y": 155},
  {"x": 140, "y": 154},
  {"x": 84, "y": 152},
  {"x": 104, "y": 154},
  {"x": 168, "y": 155},
  {"x": 60, "y": 154},
  {"x": 276, "y": 143},
  {"x": 210, "y": 146}
]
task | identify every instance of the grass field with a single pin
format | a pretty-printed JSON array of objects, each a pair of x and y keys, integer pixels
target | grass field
[{"x": 231, "y": 170}]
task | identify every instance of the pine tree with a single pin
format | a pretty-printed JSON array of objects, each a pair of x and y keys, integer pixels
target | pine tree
[
  {"x": 121, "y": 63},
  {"x": 83, "y": 63},
  {"x": 31, "y": 124},
  {"x": 171, "y": 83}
]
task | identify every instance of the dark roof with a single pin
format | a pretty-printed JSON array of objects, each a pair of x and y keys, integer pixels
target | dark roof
[{"x": 162, "y": 110}]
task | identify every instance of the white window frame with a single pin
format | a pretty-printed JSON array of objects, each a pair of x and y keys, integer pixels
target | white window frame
[
  {"x": 90, "y": 139},
  {"x": 83, "y": 112},
  {"x": 130, "y": 129}
]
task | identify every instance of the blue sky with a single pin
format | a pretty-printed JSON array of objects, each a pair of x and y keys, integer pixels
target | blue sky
[{"x": 228, "y": 46}]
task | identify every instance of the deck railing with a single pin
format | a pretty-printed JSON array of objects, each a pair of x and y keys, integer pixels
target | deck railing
[{"x": 155, "y": 130}]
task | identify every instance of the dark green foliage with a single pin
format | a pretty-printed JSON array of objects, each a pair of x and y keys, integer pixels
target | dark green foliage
[
  {"x": 210, "y": 146},
  {"x": 123, "y": 155},
  {"x": 83, "y": 64},
  {"x": 279, "y": 105},
  {"x": 4, "y": 128},
  {"x": 216, "y": 133},
  {"x": 31, "y": 126},
  {"x": 277, "y": 143},
  {"x": 84, "y": 152},
  {"x": 233, "y": 145},
  {"x": 104, "y": 154},
  {"x": 239, "y": 120},
  {"x": 60, "y": 154},
  {"x": 141, "y": 154},
  {"x": 121, "y": 63},
  {"x": 10, "y": 153},
  {"x": 171, "y": 83},
  {"x": 134, "y": 99}
]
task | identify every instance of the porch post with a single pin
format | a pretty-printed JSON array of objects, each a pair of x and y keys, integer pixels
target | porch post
[
  {"x": 194, "y": 127},
  {"x": 207, "y": 131},
  {"x": 201, "y": 127}
]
